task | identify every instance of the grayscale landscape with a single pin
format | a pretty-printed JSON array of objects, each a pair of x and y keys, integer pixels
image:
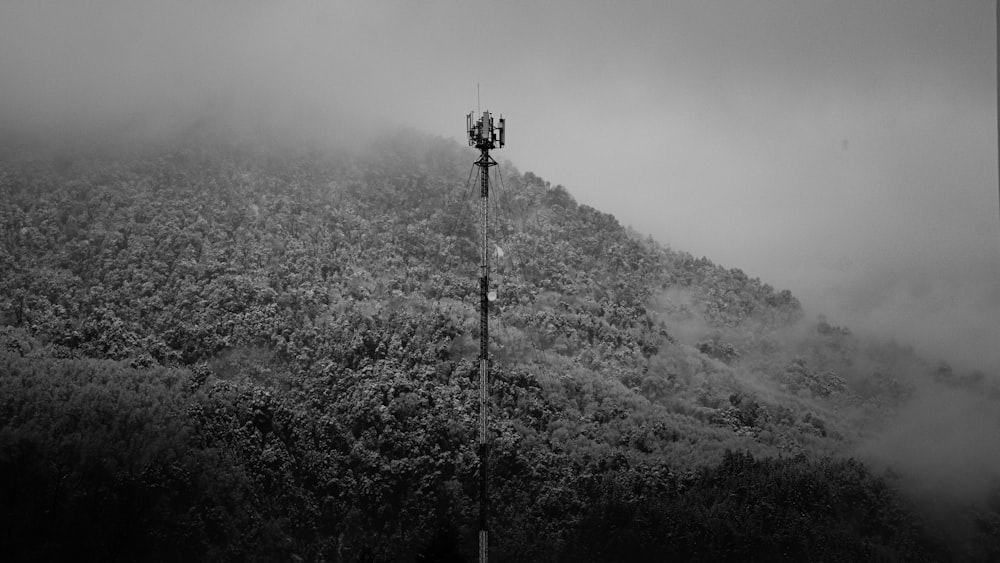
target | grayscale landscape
[{"x": 744, "y": 281}]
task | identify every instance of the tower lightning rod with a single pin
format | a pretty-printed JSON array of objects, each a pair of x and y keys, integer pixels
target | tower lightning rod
[{"x": 484, "y": 136}]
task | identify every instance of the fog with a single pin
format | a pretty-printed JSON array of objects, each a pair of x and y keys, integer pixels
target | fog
[
  {"x": 959, "y": 429},
  {"x": 843, "y": 150},
  {"x": 945, "y": 448}
]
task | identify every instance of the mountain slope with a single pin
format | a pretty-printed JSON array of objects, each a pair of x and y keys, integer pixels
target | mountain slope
[{"x": 276, "y": 348}]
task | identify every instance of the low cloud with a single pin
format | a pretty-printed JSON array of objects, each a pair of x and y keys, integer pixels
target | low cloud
[
  {"x": 948, "y": 310},
  {"x": 945, "y": 447}
]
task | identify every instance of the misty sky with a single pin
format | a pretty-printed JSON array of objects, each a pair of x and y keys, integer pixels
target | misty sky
[{"x": 844, "y": 150}]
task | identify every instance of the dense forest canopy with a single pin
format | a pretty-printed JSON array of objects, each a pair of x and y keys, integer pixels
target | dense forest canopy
[{"x": 252, "y": 351}]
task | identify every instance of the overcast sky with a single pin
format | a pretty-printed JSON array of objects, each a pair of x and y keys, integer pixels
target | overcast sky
[{"x": 844, "y": 150}]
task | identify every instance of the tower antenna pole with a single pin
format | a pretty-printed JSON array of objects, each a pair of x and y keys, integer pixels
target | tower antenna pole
[{"x": 484, "y": 136}]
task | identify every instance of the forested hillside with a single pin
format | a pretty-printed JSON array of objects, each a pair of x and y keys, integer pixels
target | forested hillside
[{"x": 243, "y": 351}]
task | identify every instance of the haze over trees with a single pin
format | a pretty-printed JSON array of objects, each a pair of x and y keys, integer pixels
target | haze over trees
[{"x": 245, "y": 350}]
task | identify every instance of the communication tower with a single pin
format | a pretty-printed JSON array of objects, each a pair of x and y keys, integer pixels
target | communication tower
[{"x": 484, "y": 136}]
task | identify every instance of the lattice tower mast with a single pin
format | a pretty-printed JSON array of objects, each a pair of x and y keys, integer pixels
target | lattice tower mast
[{"x": 484, "y": 136}]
